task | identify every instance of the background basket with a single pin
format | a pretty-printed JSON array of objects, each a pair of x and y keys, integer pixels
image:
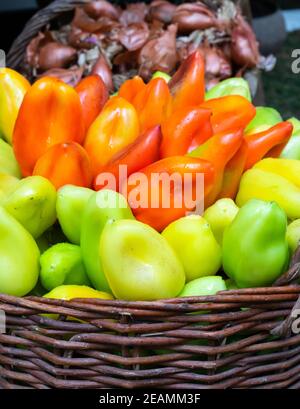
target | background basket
[
  {"x": 60, "y": 9},
  {"x": 236, "y": 339}
]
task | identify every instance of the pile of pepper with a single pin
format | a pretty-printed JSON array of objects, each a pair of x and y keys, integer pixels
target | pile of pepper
[
  {"x": 118, "y": 43},
  {"x": 78, "y": 236}
]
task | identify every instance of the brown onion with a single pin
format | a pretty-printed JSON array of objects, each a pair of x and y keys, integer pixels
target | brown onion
[
  {"x": 134, "y": 36},
  {"x": 134, "y": 13},
  {"x": 216, "y": 63},
  {"x": 162, "y": 10},
  {"x": 159, "y": 54},
  {"x": 102, "y": 69},
  {"x": 99, "y": 8},
  {"x": 56, "y": 55},
  {"x": 70, "y": 76},
  {"x": 190, "y": 17},
  {"x": 85, "y": 22},
  {"x": 244, "y": 46}
]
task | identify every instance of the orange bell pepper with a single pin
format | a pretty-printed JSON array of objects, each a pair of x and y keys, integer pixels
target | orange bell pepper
[
  {"x": 65, "y": 164},
  {"x": 233, "y": 173},
  {"x": 115, "y": 127},
  {"x": 93, "y": 95},
  {"x": 188, "y": 83},
  {"x": 219, "y": 150},
  {"x": 230, "y": 113},
  {"x": 267, "y": 143},
  {"x": 153, "y": 103},
  {"x": 183, "y": 128},
  {"x": 157, "y": 202},
  {"x": 130, "y": 88},
  {"x": 141, "y": 153},
  {"x": 51, "y": 113}
]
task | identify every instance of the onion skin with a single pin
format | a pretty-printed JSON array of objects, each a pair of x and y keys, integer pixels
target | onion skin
[
  {"x": 55, "y": 55},
  {"x": 162, "y": 10},
  {"x": 190, "y": 17},
  {"x": 102, "y": 69},
  {"x": 100, "y": 8},
  {"x": 244, "y": 47},
  {"x": 70, "y": 76}
]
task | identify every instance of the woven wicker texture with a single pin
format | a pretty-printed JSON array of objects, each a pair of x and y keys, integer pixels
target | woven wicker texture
[{"x": 233, "y": 339}]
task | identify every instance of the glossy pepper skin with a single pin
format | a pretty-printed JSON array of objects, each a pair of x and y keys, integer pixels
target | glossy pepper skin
[
  {"x": 195, "y": 245},
  {"x": 103, "y": 206},
  {"x": 233, "y": 172},
  {"x": 264, "y": 119},
  {"x": 62, "y": 264},
  {"x": 219, "y": 216},
  {"x": 93, "y": 95},
  {"x": 257, "y": 183},
  {"x": 172, "y": 200},
  {"x": 255, "y": 251},
  {"x": 230, "y": 113},
  {"x": 130, "y": 88},
  {"x": 267, "y": 143},
  {"x": 69, "y": 292},
  {"x": 19, "y": 257},
  {"x": 153, "y": 103},
  {"x": 292, "y": 148},
  {"x": 32, "y": 203},
  {"x": 70, "y": 205},
  {"x": 218, "y": 150},
  {"x": 182, "y": 128},
  {"x": 13, "y": 87},
  {"x": 230, "y": 86},
  {"x": 8, "y": 162},
  {"x": 287, "y": 168},
  {"x": 116, "y": 127},
  {"x": 51, "y": 113},
  {"x": 141, "y": 153},
  {"x": 64, "y": 164},
  {"x": 150, "y": 268},
  {"x": 188, "y": 83}
]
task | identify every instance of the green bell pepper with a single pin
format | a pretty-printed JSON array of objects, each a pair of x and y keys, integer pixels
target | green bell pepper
[
  {"x": 230, "y": 86},
  {"x": 19, "y": 257},
  {"x": 102, "y": 206},
  {"x": 292, "y": 148},
  {"x": 70, "y": 204},
  {"x": 32, "y": 202},
  {"x": 264, "y": 119},
  {"x": 255, "y": 251},
  {"x": 203, "y": 286},
  {"x": 62, "y": 264},
  {"x": 8, "y": 162}
]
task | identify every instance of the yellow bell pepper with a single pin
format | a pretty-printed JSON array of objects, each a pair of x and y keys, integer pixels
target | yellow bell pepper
[
  {"x": 288, "y": 168},
  {"x": 68, "y": 292},
  {"x": 13, "y": 87},
  {"x": 260, "y": 184}
]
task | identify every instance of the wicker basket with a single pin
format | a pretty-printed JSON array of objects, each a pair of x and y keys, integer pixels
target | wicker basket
[{"x": 236, "y": 339}]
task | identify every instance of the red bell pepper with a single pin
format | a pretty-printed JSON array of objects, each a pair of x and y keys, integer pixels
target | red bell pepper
[
  {"x": 233, "y": 173},
  {"x": 267, "y": 143},
  {"x": 184, "y": 128},
  {"x": 168, "y": 189},
  {"x": 50, "y": 113},
  {"x": 230, "y": 113},
  {"x": 219, "y": 150},
  {"x": 93, "y": 95},
  {"x": 65, "y": 164},
  {"x": 141, "y": 153},
  {"x": 188, "y": 83}
]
